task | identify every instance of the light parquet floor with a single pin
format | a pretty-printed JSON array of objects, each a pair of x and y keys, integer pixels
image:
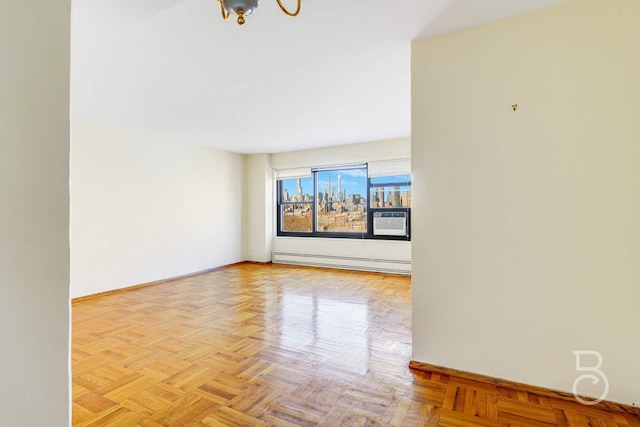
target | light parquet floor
[{"x": 262, "y": 345}]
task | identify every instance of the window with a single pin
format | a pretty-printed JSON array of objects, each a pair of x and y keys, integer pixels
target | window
[
  {"x": 343, "y": 207},
  {"x": 296, "y": 205},
  {"x": 345, "y": 203},
  {"x": 390, "y": 192}
]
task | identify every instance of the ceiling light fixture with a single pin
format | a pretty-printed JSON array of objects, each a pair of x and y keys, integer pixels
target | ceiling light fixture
[{"x": 243, "y": 8}]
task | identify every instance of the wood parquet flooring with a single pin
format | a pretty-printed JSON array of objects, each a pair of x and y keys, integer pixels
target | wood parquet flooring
[{"x": 262, "y": 345}]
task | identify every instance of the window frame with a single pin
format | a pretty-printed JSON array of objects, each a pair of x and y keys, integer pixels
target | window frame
[{"x": 368, "y": 235}]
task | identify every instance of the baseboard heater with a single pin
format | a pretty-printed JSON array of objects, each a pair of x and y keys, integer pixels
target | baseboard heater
[{"x": 379, "y": 265}]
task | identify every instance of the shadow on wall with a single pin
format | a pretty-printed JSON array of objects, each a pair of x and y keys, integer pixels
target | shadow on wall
[{"x": 457, "y": 14}]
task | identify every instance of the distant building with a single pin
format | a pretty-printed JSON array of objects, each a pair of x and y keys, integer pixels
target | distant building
[
  {"x": 396, "y": 197},
  {"x": 405, "y": 199}
]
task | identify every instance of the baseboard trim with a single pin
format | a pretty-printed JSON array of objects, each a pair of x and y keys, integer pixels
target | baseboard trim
[
  {"x": 158, "y": 282},
  {"x": 541, "y": 391},
  {"x": 353, "y": 263}
]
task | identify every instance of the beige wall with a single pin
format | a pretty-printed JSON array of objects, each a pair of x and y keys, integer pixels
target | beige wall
[
  {"x": 258, "y": 208},
  {"x": 34, "y": 212},
  {"x": 146, "y": 208},
  {"x": 527, "y": 224}
]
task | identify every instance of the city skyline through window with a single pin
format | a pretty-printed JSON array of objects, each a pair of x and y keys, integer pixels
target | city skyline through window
[
  {"x": 349, "y": 181},
  {"x": 290, "y": 188},
  {"x": 390, "y": 191},
  {"x": 341, "y": 204}
]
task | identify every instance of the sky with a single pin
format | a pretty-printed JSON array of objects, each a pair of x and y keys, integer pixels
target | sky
[{"x": 353, "y": 180}]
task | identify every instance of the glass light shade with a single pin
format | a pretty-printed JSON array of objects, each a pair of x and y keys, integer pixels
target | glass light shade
[{"x": 232, "y": 6}]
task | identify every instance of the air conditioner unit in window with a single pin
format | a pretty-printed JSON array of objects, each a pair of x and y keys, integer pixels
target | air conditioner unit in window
[{"x": 390, "y": 223}]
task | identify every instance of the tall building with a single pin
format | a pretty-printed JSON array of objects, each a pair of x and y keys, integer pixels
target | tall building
[
  {"x": 339, "y": 187},
  {"x": 299, "y": 189},
  {"x": 329, "y": 188},
  {"x": 396, "y": 197},
  {"x": 405, "y": 199}
]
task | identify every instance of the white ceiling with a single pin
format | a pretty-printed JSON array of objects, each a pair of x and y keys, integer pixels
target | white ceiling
[{"x": 339, "y": 73}]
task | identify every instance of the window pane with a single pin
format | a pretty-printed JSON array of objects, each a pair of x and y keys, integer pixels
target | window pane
[
  {"x": 297, "y": 190},
  {"x": 297, "y": 217},
  {"x": 389, "y": 180},
  {"x": 341, "y": 202},
  {"x": 393, "y": 196}
]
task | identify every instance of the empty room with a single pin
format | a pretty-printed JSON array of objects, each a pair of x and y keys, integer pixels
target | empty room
[{"x": 302, "y": 212}]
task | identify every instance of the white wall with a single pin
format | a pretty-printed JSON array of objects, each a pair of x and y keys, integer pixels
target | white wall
[
  {"x": 146, "y": 208},
  {"x": 344, "y": 154},
  {"x": 34, "y": 212},
  {"x": 526, "y": 224},
  {"x": 258, "y": 208},
  {"x": 340, "y": 155}
]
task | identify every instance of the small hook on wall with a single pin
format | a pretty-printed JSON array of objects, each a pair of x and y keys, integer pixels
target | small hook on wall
[{"x": 515, "y": 107}]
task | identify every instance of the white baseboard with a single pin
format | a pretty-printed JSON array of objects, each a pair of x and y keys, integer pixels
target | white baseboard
[{"x": 393, "y": 266}]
